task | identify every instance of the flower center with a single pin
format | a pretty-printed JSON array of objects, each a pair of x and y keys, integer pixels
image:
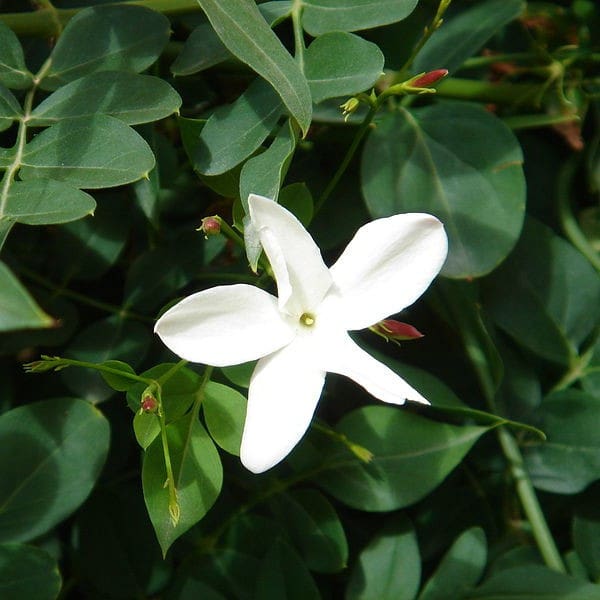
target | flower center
[{"x": 307, "y": 319}]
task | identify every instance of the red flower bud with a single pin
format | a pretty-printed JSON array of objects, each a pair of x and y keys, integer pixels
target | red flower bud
[
  {"x": 396, "y": 330},
  {"x": 210, "y": 226},
  {"x": 428, "y": 79},
  {"x": 149, "y": 404}
]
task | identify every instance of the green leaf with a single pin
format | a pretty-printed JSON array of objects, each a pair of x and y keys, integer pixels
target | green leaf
[
  {"x": 314, "y": 528},
  {"x": 263, "y": 174},
  {"x": 570, "y": 458},
  {"x": 240, "y": 374},
  {"x": 146, "y": 427},
  {"x": 412, "y": 456},
  {"x": 389, "y": 568},
  {"x": 179, "y": 388},
  {"x": 48, "y": 464},
  {"x": 283, "y": 576},
  {"x": 107, "y": 38},
  {"x": 463, "y": 35},
  {"x": 323, "y": 16},
  {"x": 229, "y": 571},
  {"x": 10, "y": 109},
  {"x": 341, "y": 64},
  {"x": 198, "y": 476},
  {"x": 246, "y": 34},
  {"x": 13, "y": 72},
  {"x": 586, "y": 533},
  {"x": 439, "y": 160},
  {"x": 234, "y": 132},
  {"x": 18, "y": 310},
  {"x": 46, "y": 202},
  {"x": 532, "y": 583},
  {"x": 545, "y": 295},
  {"x": 203, "y": 49},
  {"x": 225, "y": 413},
  {"x": 89, "y": 152},
  {"x": 297, "y": 198},
  {"x": 119, "y": 383},
  {"x": 130, "y": 97},
  {"x": 110, "y": 338},
  {"x": 460, "y": 569},
  {"x": 27, "y": 572}
]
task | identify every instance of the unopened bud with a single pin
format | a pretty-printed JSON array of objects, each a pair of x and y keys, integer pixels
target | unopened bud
[
  {"x": 148, "y": 404},
  {"x": 210, "y": 226},
  {"x": 349, "y": 107},
  {"x": 424, "y": 80},
  {"x": 396, "y": 330}
]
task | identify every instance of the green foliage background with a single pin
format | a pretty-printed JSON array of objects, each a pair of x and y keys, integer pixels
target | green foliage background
[{"x": 123, "y": 125}]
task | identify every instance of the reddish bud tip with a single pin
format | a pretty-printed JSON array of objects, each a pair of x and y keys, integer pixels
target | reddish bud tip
[
  {"x": 428, "y": 79},
  {"x": 149, "y": 404},
  {"x": 210, "y": 226},
  {"x": 395, "y": 330}
]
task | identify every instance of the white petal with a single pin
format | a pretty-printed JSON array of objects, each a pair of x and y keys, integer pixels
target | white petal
[
  {"x": 302, "y": 277},
  {"x": 388, "y": 264},
  {"x": 225, "y": 325},
  {"x": 340, "y": 354},
  {"x": 284, "y": 391}
]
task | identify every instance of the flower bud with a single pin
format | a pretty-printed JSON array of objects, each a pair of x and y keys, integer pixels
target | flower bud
[
  {"x": 426, "y": 80},
  {"x": 396, "y": 330},
  {"x": 349, "y": 107},
  {"x": 210, "y": 226},
  {"x": 148, "y": 404}
]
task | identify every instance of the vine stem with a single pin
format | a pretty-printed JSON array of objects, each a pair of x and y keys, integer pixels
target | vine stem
[
  {"x": 45, "y": 22},
  {"x": 362, "y": 130}
]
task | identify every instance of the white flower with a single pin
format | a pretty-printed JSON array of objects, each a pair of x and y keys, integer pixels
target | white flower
[{"x": 303, "y": 333}]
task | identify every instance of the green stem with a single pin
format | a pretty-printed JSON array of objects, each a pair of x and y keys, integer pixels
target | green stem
[
  {"x": 565, "y": 213},
  {"x": 362, "y": 130},
  {"x": 82, "y": 298},
  {"x": 531, "y": 506},
  {"x": 44, "y": 22},
  {"x": 174, "y": 509},
  {"x": 517, "y": 94},
  {"x": 298, "y": 33},
  {"x": 484, "y": 61}
]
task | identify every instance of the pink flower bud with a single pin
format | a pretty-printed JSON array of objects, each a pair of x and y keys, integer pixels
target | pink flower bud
[
  {"x": 395, "y": 330},
  {"x": 428, "y": 79},
  {"x": 149, "y": 404},
  {"x": 210, "y": 226}
]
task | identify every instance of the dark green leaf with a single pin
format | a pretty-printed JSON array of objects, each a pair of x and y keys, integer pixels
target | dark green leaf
[
  {"x": 240, "y": 374},
  {"x": 234, "y": 132},
  {"x": 94, "y": 152},
  {"x": 130, "y": 97},
  {"x": 107, "y": 38},
  {"x": 179, "y": 388},
  {"x": 283, "y": 576},
  {"x": 545, "y": 295},
  {"x": 532, "y": 583},
  {"x": 570, "y": 458},
  {"x": 412, "y": 455},
  {"x": 18, "y": 310},
  {"x": 460, "y": 569},
  {"x": 10, "y": 109},
  {"x": 48, "y": 464},
  {"x": 341, "y": 64},
  {"x": 322, "y": 16},
  {"x": 263, "y": 174},
  {"x": 314, "y": 528},
  {"x": 389, "y": 568},
  {"x": 27, "y": 572},
  {"x": 13, "y": 72},
  {"x": 231, "y": 572},
  {"x": 198, "y": 477},
  {"x": 297, "y": 198},
  {"x": 246, "y": 34},
  {"x": 111, "y": 338},
  {"x": 225, "y": 413},
  {"x": 439, "y": 160},
  {"x": 203, "y": 49},
  {"x": 463, "y": 35},
  {"x": 46, "y": 202}
]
